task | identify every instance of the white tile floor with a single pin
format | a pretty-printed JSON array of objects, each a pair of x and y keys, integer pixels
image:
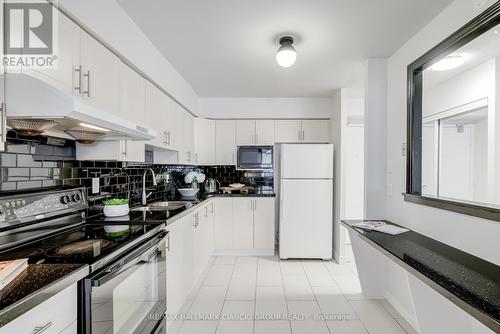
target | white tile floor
[{"x": 263, "y": 295}]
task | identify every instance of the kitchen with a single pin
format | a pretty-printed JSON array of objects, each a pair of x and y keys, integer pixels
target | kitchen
[{"x": 156, "y": 178}]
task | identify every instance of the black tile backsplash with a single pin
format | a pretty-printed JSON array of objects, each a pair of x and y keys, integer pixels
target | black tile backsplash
[{"x": 31, "y": 166}]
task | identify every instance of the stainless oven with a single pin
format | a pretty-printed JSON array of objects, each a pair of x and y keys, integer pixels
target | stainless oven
[
  {"x": 129, "y": 296},
  {"x": 255, "y": 158}
]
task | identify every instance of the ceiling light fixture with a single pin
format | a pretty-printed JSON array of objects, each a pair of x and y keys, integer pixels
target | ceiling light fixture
[
  {"x": 286, "y": 54},
  {"x": 93, "y": 127},
  {"x": 448, "y": 63}
]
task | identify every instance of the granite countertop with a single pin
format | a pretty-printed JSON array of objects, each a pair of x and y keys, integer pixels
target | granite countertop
[
  {"x": 473, "y": 280},
  {"x": 35, "y": 285},
  {"x": 170, "y": 216}
]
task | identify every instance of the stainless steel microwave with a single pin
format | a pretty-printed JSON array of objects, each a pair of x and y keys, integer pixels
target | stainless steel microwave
[{"x": 255, "y": 158}]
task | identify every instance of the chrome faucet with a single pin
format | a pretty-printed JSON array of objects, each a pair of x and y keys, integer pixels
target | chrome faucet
[{"x": 144, "y": 196}]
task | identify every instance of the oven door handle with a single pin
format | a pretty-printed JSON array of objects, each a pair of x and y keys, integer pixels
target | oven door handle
[{"x": 143, "y": 254}]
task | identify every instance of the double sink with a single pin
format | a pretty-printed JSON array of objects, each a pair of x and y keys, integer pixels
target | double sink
[{"x": 165, "y": 206}]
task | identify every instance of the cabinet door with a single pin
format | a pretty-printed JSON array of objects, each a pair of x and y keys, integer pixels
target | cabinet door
[
  {"x": 264, "y": 132},
  {"x": 176, "y": 296},
  {"x": 245, "y": 132},
  {"x": 65, "y": 76},
  {"x": 288, "y": 131},
  {"x": 155, "y": 105},
  {"x": 100, "y": 76},
  {"x": 173, "y": 124},
  {"x": 204, "y": 141},
  {"x": 186, "y": 154},
  {"x": 211, "y": 229},
  {"x": 120, "y": 150},
  {"x": 223, "y": 223},
  {"x": 264, "y": 223},
  {"x": 225, "y": 142},
  {"x": 133, "y": 96},
  {"x": 316, "y": 131},
  {"x": 188, "y": 264},
  {"x": 242, "y": 223},
  {"x": 132, "y": 151},
  {"x": 199, "y": 248}
]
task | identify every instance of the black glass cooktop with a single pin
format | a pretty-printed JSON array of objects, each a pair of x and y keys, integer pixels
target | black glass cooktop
[{"x": 84, "y": 244}]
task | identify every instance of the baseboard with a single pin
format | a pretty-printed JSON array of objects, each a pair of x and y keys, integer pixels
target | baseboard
[{"x": 244, "y": 252}]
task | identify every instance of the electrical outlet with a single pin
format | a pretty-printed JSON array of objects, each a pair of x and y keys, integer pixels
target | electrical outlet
[
  {"x": 403, "y": 149},
  {"x": 95, "y": 185}
]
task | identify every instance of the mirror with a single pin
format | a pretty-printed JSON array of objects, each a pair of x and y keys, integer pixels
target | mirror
[
  {"x": 454, "y": 121},
  {"x": 458, "y": 123}
]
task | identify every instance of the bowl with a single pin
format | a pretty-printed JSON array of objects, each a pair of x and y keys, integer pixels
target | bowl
[
  {"x": 188, "y": 192},
  {"x": 236, "y": 185},
  {"x": 116, "y": 210}
]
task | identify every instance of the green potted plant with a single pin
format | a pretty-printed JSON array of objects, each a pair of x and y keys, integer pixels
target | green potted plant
[{"x": 116, "y": 207}]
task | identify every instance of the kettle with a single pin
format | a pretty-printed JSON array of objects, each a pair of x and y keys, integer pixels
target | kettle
[{"x": 211, "y": 186}]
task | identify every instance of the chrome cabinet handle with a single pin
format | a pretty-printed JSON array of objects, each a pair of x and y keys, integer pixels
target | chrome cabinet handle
[
  {"x": 168, "y": 138},
  {"x": 299, "y": 135},
  {"x": 79, "y": 71},
  {"x": 196, "y": 157},
  {"x": 40, "y": 329},
  {"x": 206, "y": 211},
  {"x": 164, "y": 137},
  {"x": 3, "y": 113},
  {"x": 87, "y": 92},
  {"x": 212, "y": 204},
  {"x": 125, "y": 148},
  {"x": 303, "y": 134}
]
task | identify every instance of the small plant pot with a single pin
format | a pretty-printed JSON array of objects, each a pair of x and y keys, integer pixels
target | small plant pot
[{"x": 116, "y": 210}]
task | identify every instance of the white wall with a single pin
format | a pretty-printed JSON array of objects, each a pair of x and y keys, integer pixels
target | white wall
[
  {"x": 473, "y": 235},
  {"x": 375, "y": 137},
  {"x": 241, "y": 107},
  {"x": 112, "y": 24}
]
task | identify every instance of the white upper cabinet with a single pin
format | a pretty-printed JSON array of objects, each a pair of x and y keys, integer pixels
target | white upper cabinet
[
  {"x": 204, "y": 132},
  {"x": 155, "y": 115},
  {"x": 264, "y": 132},
  {"x": 225, "y": 142},
  {"x": 316, "y": 131},
  {"x": 65, "y": 76},
  {"x": 116, "y": 150},
  {"x": 100, "y": 75},
  {"x": 254, "y": 132},
  {"x": 186, "y": 152},
  {"x": 288, "y": 131},
  {"x": 133, "y": 95},
  {"x": 173, "y": 124},
  {"x": 302, "y": 131},
  {"x": 245, "y": 132}
]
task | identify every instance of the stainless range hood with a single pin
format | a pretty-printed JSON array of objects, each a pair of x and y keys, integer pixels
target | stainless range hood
[{"x": 30, "y": 98}]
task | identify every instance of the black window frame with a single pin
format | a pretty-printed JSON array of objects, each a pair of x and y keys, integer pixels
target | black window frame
[{"x": 482, "y": 23}]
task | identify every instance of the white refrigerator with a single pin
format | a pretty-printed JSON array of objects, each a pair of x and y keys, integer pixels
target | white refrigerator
[{"x": 306, "y": 201}]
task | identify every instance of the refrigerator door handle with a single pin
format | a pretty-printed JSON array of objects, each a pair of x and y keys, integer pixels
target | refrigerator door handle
[{"x": 282, "y": 201}]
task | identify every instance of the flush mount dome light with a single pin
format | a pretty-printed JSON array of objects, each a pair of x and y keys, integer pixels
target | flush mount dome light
[
  {"x": 448, "y": 63},
  {"x": 286, "y": 54}
]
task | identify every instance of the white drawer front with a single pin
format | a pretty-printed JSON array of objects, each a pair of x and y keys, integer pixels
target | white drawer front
[{"x": 50, "y": 317}]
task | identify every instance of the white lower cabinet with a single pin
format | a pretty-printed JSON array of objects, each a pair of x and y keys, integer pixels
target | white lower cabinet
[
  {"x": 244, "y": 226},
  {"x": 55, "y": 315},
  {"x": 191, "y": 245}
]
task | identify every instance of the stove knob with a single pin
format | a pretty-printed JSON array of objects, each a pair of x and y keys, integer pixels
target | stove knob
[
  {"x": 76, "y": 197},
  {"x": 65, "y": 199}
]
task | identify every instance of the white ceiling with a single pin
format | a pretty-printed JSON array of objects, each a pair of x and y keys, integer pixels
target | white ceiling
[{"x": 226, "y": 48}]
